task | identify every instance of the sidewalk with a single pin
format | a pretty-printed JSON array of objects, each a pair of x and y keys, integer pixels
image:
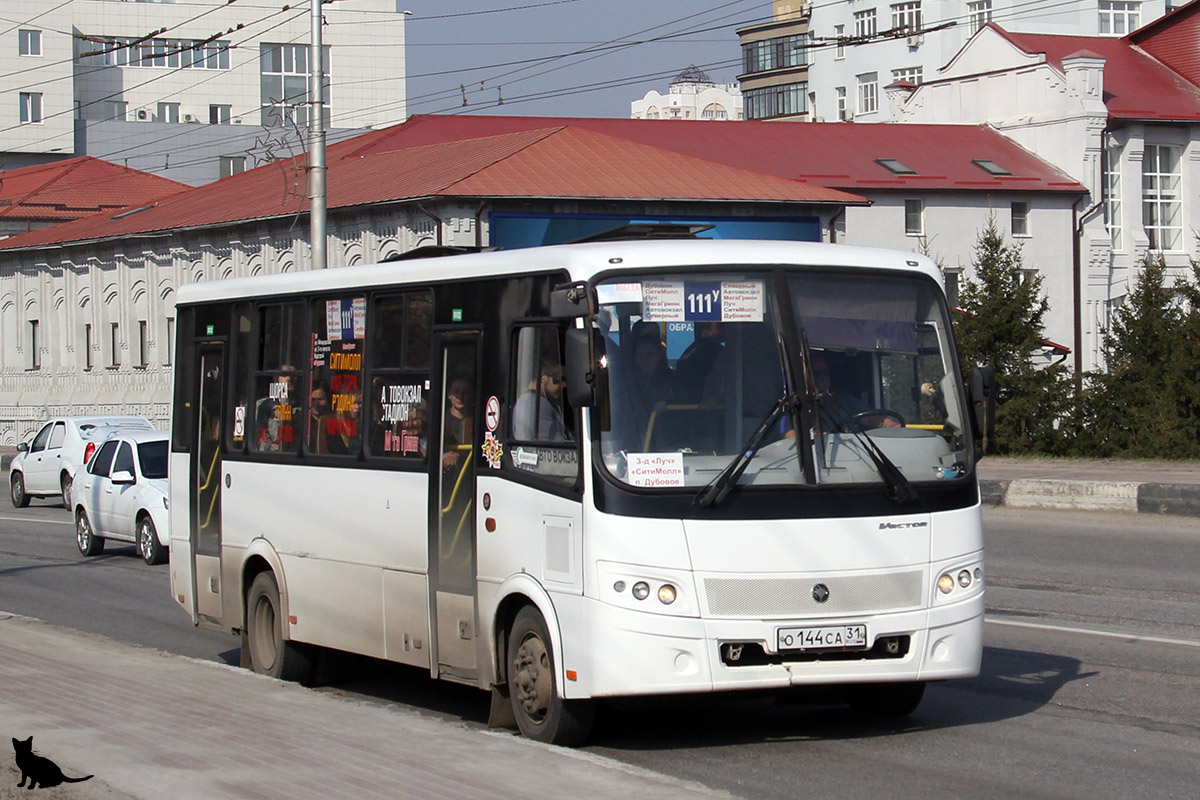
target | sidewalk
[{"x": 148, "y": 724}]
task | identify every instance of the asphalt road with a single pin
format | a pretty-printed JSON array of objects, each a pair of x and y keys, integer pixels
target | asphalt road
[{"x": 1090, "y": 685}]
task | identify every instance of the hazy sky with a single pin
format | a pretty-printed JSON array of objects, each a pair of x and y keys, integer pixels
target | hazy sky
[{"x": 521, "y": 51}]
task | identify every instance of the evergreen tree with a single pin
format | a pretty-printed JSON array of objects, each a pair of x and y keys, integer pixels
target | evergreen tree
[
  {"x": 1002, "y": 326},
  {"x": 1147, "y": 403}
]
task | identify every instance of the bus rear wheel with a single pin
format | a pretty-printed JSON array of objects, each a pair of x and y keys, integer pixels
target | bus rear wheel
[
  {"x": 270, "y": 653},
  {"x": 542, "y": 714},
  {"x": 885, "y": 700}
]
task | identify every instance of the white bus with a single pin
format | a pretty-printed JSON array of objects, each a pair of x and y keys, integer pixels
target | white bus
[{"x": 569, "y": 473}]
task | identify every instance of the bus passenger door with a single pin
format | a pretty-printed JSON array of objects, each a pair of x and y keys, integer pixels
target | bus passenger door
[
  {"x": 452, "y": 534},
  {"x": 205, "y": 500}
]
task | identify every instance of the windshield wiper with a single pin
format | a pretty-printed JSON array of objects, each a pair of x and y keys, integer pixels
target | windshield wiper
[
  {"x": 896, "y": 484},
  {"x": 718, "y": 488}
]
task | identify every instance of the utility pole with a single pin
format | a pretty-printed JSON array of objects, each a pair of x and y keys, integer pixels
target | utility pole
[{"x": 316, "y": 141}]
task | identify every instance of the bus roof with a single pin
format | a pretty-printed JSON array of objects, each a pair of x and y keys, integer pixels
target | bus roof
[{"x": 580, "y": 261}]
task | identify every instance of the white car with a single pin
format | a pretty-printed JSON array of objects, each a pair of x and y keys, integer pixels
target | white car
[
  {"x": 122, "y": 495},
  {"x": 46, "y": 465}
]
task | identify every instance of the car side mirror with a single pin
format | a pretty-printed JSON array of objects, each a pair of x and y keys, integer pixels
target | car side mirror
[
  {"x": 121, "y": 476},
  {"x": 982, "y": 393},
  {"x": 22, "y": 447},
  {"x": 584, "y": 354}
]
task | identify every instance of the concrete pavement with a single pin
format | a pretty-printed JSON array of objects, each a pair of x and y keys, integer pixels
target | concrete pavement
[{"x": 148, "y": 724}]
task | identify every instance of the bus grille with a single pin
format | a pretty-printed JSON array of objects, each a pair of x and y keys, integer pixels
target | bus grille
[{"x": 793, "y": 597}]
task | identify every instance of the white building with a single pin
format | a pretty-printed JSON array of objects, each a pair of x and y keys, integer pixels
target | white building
[
  {"x": 862, "y": 46},
  {"x": 691, "y": 95},
  {"x": 202, "y": 63}
]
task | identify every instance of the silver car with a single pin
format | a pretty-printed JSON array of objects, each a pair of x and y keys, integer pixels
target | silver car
[
  {"x": 46, "y": 465},
  {"x": 122, "y": 495}
]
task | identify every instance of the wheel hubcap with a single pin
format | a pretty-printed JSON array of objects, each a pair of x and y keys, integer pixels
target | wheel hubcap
[
  {"x": 265, "y": 647},
  {"x": 533, "y": 682},
  {"x": 144, "y": 541},
  {"x": 82, "y": 534}
]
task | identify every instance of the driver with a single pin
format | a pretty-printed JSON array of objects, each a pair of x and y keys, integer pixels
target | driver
[{"x": 839, "y": 407}]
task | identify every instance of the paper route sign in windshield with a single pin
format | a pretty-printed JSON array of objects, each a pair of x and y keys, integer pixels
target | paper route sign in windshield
[{"x": 701, "y": 301}]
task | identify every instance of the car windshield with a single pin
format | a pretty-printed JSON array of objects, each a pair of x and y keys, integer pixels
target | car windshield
[
  {"x": 696, "y": 371},
  {"x": 152, "y": 459}
]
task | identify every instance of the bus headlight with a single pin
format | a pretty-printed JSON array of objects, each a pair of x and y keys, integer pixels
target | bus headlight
[
  {"x": 666, "y": 594},
  {"x": 641, "y": 590},
  {"x": 945, "y": 583},
  {"x": 964, "y": 578}
]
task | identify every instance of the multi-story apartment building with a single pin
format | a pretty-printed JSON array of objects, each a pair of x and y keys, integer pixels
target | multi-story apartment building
[
  {"x": 775, "y": 60},
  {"x": 692, "y": 94},
  {"x": 860, "y": 47},
  {"x": 67, "y": 70}
]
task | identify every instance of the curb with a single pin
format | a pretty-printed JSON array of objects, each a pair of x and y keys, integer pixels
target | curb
[{"x": 1124, "y": 496}]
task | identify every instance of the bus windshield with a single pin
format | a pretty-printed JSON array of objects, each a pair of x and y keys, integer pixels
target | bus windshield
[{"x": 855, "y": 368}]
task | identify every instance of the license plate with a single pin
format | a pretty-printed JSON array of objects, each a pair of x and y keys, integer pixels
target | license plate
[{"x": 833, "y": 637}]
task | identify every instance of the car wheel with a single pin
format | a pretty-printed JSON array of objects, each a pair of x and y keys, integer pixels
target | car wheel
[
  {"x": 151, "y": 551},
  {"x": 89, "y": 543},
  {"x": 65, "y": 485},
  {"x": 270, "y": 653},
  {"x": 532, "y": 686},
  {"x": 17, "y": 489}
]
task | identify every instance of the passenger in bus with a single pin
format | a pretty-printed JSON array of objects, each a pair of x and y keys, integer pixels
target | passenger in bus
[
  {"x": 341, "y": 428},
  {"x": 276, "y": 414},
  {"x": 646, "y": 384},
  {"x": 696, "y": 363},
  {"x": 318, "y": 407},
  {"x": 458, "y": 421},
  {"x": 538, "y": 412}
]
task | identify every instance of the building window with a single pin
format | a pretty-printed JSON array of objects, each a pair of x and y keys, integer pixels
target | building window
[
  {"x": 232, "y": 165},
  {"x": 169, "y": 350},
  {"x": 864, "y": 24},
  {"x": 283, "y": 74},
  {"x": 776, "y": 101},
  {"x": 114, "y": 344},
  {"x": 1162, "y": 214},
  {"x": 768, "y": 54},
  {"x": 168, "y": 112},
  {"x": 137, "y": 51},
  {"x": 839, "y": 49},
  {"x": 35, "y": 359},
  {"x": 30, "y": 43},
  {"x": 31, "y": 107},
  {"x": 1112, "y": 194},
  {"x": 1020, "y": 218},
  {"x": 143, "y": 343},
  {"x": 914, "y": 217},
  {"x": 868, "y": 93},
  {"x": 843, "y": 111},
  {"x": 914, "y": 75},
  {"x": 87, "y": 346},
  {"x": 220, "y": 115},
  {"x": 952, "y": 277},
  {"x": 116, "y": 110},
  {"x": 980, "y": 13},
  {"x": 906, "y": 17},
  {"x": 714, "y": 111},
  {"x": 1119, "y": 17}
]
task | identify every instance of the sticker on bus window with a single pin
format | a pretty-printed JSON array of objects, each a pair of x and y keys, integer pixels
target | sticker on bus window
[
  {"x": 703, "y": 301},
  {"x": 609, "y": 293},
  {"x": 493, "y": 450},
  {"x": 655, "y": 469},
  {"x": 346, "y": 319}
]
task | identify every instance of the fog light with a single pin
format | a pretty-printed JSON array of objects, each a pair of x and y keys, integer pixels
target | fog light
[
  {"x": 666, "y": 594},
  {"x": 978, "y": 574},
  {"x": 641, "y": 590},
  {"x": 964, "y": 578},
  {"x": 945, "y": 583},
  {"x": 619, "y": 587}
]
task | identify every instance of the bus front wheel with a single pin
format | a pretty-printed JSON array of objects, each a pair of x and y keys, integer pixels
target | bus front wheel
[
  {"x": 542, "y": 715},
  {"x": 885, "y": 700},
  {"x": 270, "y": 653}
]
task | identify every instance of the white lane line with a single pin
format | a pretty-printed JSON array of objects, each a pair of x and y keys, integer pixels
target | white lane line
[
  {"x": 1064, "y": 629},
  {"x": 34, "y": 519}
]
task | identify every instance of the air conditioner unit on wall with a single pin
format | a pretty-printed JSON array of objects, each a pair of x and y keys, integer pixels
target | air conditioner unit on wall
[
  {"x": 189, "y": 118},
  {"x": 916, "y": 40},
  {"x": 143, "y": 115}
]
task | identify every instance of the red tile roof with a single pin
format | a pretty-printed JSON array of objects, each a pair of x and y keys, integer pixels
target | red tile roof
[
  {"x": 1174, "y": 39},
  {"x": 1136, "y": 84},
  {"x": 70, "y": 189},
  {"x": 540, "y": 157}
]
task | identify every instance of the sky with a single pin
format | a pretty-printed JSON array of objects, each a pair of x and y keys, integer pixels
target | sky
[{"x": 579, "y": 58}]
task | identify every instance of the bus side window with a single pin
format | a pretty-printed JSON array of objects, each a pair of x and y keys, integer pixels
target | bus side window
[
  {"x": 282, "y": 356},
  {"x": 540, "y": 412},
  {"x": 401, "y": 337},
  {"x": 333, "y": 422}
]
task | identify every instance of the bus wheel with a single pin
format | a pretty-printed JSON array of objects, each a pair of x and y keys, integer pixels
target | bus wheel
[
  {"x": 542, "y": 715},
  {"x": 885, "y": 700},
  {"x": 270, "y": 653}
]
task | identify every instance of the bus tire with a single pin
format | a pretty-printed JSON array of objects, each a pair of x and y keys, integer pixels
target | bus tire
[
  {"x": 885, "y": 700},
  {"x": 270, "y": 653},
  {"x": 542, "y": 714}
]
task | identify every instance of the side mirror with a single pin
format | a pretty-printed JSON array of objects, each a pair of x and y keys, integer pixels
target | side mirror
[
  {"x": 22, "y": 447},
  {"x": 584, "y": 350},
  {"x": 571, "y": 301},
  {"x": 983, "y": 403},
  {"x": 121, "y": 476}
]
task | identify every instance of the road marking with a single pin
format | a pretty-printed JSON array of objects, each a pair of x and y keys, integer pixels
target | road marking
[
  {"x": 35, "y": 519},
  {"x": 1064, "y": 629}
]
